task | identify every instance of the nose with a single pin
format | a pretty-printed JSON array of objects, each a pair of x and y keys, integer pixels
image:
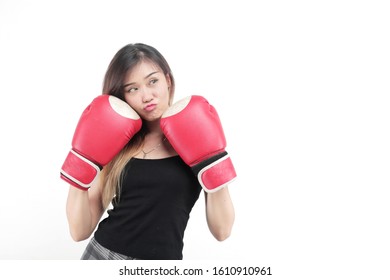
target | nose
[{"x": 147, "y": 95}]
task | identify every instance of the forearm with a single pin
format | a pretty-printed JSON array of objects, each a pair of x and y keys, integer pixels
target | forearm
[
  {"x": 220, "y": 213},
  {"x": 79, "y": 214}
]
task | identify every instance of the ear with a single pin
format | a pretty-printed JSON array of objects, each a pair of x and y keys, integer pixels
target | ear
[
  {"x": 169, "y": 82},
  {"x": 170, "y": 90}
]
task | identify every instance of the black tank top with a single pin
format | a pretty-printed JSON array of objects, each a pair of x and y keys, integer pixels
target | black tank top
[{"x": 155, "y": 203}]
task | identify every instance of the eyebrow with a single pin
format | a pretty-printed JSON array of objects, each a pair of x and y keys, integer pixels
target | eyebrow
[{"x": 129, "y": 84}]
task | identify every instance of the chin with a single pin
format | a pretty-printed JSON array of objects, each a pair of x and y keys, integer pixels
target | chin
[{"x": 152, "y": 117}]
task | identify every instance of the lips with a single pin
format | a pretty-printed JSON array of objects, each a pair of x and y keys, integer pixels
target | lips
[{"x": 150, "y": 107}]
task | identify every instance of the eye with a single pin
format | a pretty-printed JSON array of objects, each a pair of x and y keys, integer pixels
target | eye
[
  {"x": 132, "y": 89},
  {"x": 153, "y": 81}
]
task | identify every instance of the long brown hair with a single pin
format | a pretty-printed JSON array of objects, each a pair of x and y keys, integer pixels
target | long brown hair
[{"x": 124, "y": 61}]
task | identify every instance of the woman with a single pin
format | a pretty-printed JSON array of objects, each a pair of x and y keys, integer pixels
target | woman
[{"x": 151, "y": 188}]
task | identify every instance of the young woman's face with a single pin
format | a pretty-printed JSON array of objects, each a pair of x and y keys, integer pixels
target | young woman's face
[{"x": 146, "y": 90}]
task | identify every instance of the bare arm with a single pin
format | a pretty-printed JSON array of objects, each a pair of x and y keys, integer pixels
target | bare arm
[
  {"x": 220, "y": 213},
  {"x": 84, "y": 210}
]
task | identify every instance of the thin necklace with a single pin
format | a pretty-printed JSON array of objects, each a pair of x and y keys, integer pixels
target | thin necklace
[{"x": 153, "y": 149}]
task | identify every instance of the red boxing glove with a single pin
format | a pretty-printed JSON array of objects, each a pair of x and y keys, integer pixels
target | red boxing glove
[
  {"x": 104, "y": 128},
  {"x": 193, "y": 128}
]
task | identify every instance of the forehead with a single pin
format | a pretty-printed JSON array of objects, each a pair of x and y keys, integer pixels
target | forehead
[{"x": 142, "y": 70}]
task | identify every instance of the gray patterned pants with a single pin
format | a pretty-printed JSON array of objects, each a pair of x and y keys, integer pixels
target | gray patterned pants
[{"x": 95, "y": 251}]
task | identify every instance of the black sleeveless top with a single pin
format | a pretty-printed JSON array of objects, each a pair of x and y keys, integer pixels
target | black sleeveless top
[{"x": 155, "y": 203}]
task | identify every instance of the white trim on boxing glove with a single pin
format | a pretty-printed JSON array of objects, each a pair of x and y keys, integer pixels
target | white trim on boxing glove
[
  {"x": 177, "y": 107},
  {"x": 210, "y": 166},
  {"x": 81, "y": 184},
  {"x": 122, "y": 108}
]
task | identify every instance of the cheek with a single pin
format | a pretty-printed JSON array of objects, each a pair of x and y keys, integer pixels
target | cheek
[
  {"x": 128, "y": 100},
  {"x": 165, "y": 93},
  {"x": 132, "y": 102}
]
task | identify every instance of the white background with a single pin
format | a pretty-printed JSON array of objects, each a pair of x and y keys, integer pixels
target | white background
[{"x": 302, "y": 90}]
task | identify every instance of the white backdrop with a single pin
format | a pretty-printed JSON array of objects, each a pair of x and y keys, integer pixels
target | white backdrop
[{"x": 302, "y": 91}]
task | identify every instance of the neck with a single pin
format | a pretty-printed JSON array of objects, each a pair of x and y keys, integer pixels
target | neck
[{"x": 154, "y": 127}]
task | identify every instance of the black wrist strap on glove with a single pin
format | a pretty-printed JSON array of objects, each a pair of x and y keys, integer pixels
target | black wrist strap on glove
[{"x": 198, "y": 167}]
